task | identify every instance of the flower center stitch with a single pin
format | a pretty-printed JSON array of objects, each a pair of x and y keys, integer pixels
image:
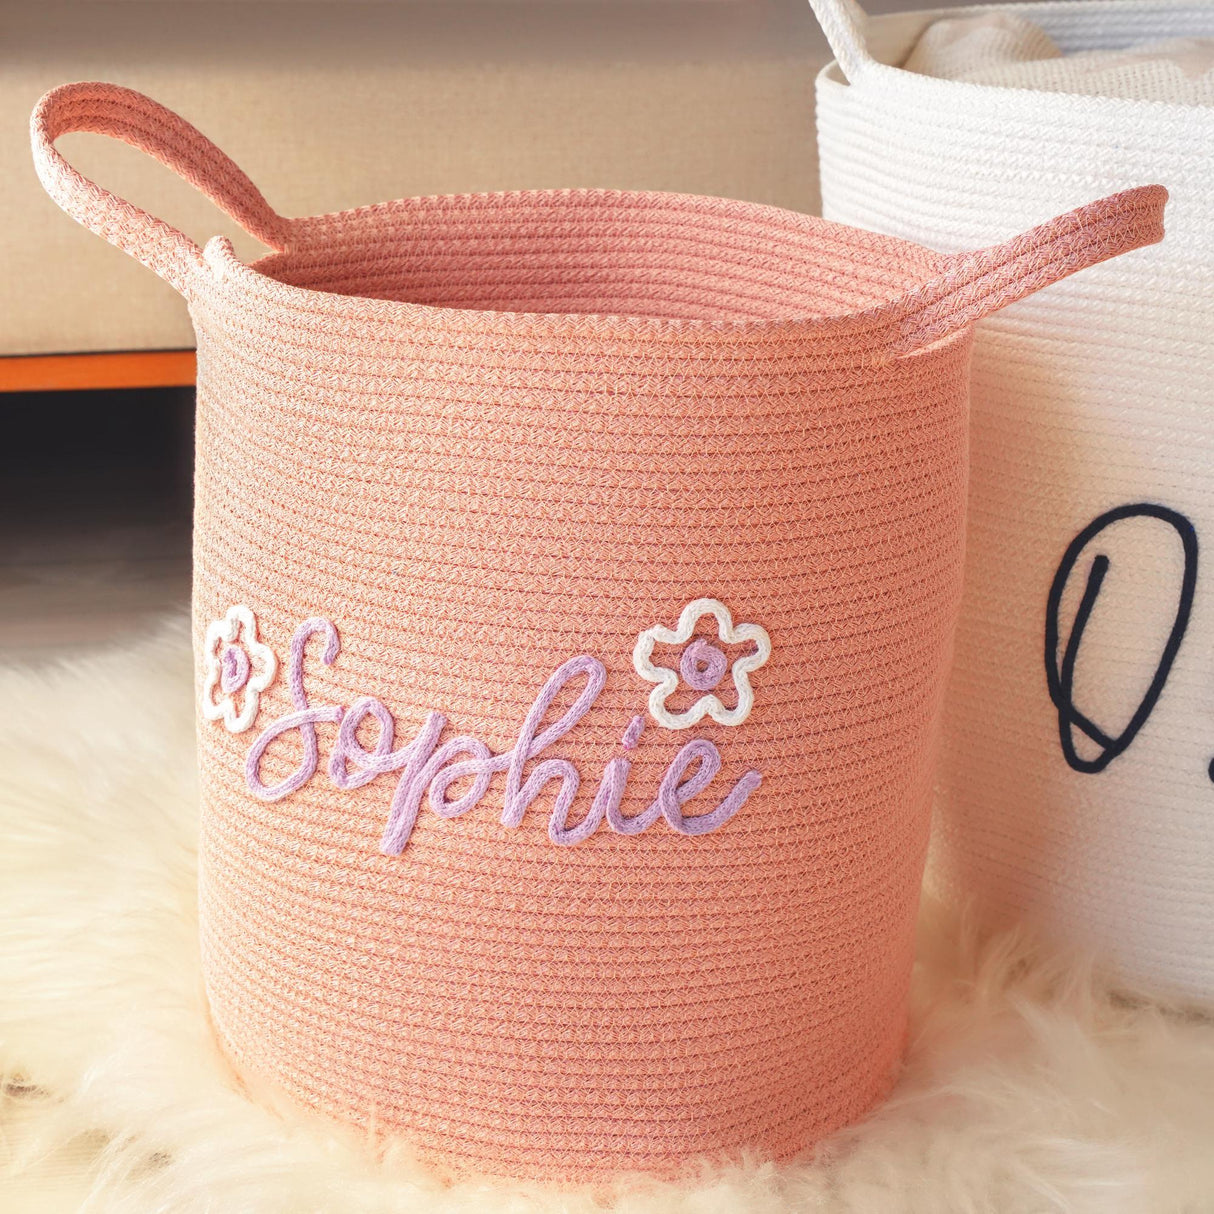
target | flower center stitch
[
  {"x": 233, "y": 669},
  {"x": 702, "y": 665}
]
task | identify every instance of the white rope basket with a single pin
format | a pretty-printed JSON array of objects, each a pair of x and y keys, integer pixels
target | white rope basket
[{"x": 1076, "y": 786}]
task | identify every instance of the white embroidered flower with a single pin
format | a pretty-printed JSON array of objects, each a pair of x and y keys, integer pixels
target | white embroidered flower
[
  {"x": 702, "y": 666},
  {"x": 237, "y": 665}
]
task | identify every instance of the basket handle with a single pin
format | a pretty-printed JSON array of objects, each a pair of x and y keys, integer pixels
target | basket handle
[
  {"x": 975, "y": 284},
  {"x": 844, "y": 23},
  {"x": 121, "y": 113}
]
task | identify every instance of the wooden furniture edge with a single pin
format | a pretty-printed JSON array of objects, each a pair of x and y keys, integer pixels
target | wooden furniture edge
[{"x": 122, "y": 369}]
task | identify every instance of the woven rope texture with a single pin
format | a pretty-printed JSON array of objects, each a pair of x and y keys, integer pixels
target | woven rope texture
[
  {"x": 469, "y": 440},
  {"x": 1092, "y": 397}
]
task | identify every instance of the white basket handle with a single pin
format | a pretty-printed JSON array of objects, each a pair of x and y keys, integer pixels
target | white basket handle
[{"x": 844, "y": 22}]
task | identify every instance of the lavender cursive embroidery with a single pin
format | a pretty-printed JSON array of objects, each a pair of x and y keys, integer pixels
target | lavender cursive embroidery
[{"x": 429, "y": 771}]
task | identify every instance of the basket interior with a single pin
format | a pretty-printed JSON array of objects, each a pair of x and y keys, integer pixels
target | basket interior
[{"x": 601, "y": 253}]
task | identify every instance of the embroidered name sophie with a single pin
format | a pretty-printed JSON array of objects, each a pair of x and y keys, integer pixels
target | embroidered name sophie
[{"x": 236, "y": 661}]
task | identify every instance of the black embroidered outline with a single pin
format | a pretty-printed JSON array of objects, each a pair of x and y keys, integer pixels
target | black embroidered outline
[{"x": 1060, "y": 679}]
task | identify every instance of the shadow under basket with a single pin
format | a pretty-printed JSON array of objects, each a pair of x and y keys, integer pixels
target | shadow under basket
[{"x": 575, "y": 579}]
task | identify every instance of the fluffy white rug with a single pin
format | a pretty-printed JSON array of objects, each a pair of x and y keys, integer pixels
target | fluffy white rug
[{"x": 1029, "y": 1087}]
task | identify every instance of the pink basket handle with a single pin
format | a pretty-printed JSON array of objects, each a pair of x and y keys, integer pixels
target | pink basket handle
[
  {"x": 976, "y": 284},
  {"x": 121, "y": 113}
]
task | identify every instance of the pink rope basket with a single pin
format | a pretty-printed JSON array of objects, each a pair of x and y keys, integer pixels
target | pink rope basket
[{"x": 575, "y": 573}]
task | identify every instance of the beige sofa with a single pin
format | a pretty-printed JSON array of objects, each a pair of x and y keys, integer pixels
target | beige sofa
[{"x": 333, "y": 104}]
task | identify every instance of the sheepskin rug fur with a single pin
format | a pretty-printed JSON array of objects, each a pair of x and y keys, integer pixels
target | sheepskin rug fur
[{"x": 1029, "y": 1086}]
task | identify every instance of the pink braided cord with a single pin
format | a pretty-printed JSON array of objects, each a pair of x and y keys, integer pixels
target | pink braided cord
[{"x": 132, "y": 118}]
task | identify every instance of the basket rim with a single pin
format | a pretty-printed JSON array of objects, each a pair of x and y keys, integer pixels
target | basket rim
[
  {"x": 1023, "y": 101},
  {"x": 920, "y": 264}
]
